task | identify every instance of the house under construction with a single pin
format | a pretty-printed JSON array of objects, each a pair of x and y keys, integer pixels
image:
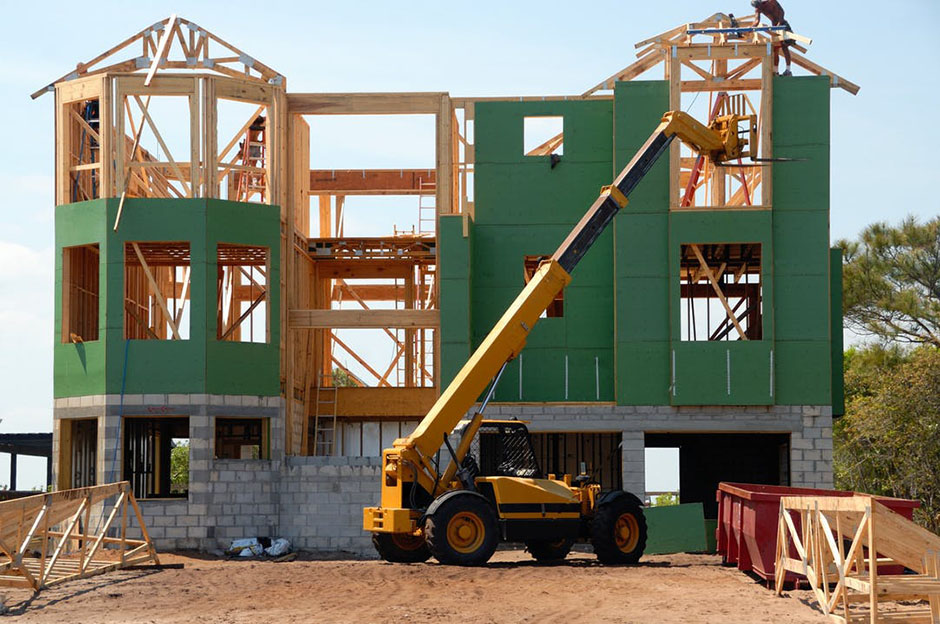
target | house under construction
[{"x": 208, "y": 291}]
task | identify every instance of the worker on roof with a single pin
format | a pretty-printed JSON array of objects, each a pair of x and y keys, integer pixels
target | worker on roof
[{"x": 774, "y": 12}]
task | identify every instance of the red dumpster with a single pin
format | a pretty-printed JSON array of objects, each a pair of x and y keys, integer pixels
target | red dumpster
[{"x": 747, "y": 523}]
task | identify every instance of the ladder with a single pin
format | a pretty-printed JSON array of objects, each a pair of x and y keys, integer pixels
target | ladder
[
  {"x": 427, "y": 208},
  {"x": 324, "y": 419},
  {"x": 253, "y": 154}
]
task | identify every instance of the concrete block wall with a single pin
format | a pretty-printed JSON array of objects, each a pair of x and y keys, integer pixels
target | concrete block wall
[
  {"x": 317, "y": 502},
  {"x": 809, "y": 426},
  {"x": 322, "y": 499}
]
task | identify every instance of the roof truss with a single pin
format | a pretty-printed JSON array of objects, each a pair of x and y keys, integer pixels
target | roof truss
[
  {"x": 719, "y": 31},
  {"x": 188, "y": 46}
]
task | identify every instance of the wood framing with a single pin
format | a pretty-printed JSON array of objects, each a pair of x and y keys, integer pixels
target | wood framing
[
  {"x": 324, "y": 319},
  {"x": 841, "y": 542},
  {"x": 48, "y": 539},
  {"x": 174, "y": 43},
  {"x": 111, "y": 142}
]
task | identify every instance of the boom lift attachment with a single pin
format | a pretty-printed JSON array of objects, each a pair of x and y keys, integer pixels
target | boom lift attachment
[{"x": 492, "y": 489}]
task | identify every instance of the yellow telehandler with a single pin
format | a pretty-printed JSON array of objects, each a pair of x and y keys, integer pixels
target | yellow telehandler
[{"x": 492, "y": 489}]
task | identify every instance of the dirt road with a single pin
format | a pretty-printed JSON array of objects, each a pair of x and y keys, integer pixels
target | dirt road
[{"x": 512, "y": 588}]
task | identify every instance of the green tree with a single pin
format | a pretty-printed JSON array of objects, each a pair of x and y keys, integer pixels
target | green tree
[
  {"x": 179, "y": 467},
  {"x": 891, "y": 281},
  {"x": 342, "y": 379},
  {"x": 865, "y": 365},
  {"x": 888, "y": 442},
  {"x": 665, "y": 500}
]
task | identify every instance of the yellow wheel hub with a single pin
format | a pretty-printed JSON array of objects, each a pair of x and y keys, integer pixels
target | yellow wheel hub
[
  {"x": 465, "y": 532},
  {"x": 627, "y": 532}
]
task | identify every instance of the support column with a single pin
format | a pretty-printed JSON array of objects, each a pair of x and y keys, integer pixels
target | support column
[
  {"x": 12, "y": 472},
  {"x": 633, "y": 455}
]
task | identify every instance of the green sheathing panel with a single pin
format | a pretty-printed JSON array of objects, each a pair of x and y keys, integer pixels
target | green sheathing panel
[
  {"x": 803, "y": 350},
  {"x": 736, "y": 372},
  {"x": 835, "y": 307},
  {"x": 454, "y": 298},
  {"x": 165, "y": 366},
  {"x": 243, "y": 367},
  {"x": 156, "y": 366},
  {"x": 641, "y": 235},
  {"x": 78, "y": 369},
  {"x": 675, "y": 529},
  {"x": 523, "y": 206}
]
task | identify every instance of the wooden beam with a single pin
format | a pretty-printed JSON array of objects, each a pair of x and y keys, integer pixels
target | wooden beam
[
  {"x": 699, "y": 86},
  {"x": 373, "y": 292},
  {"x": 364, "y": 103},
  {"x": 372, "y": 181},
  {"x": 162, "y": 48},
  {"x": 369, "y": 269},
  {"x": 384, "y": 402},
  {"x": 375, "y": 319}
]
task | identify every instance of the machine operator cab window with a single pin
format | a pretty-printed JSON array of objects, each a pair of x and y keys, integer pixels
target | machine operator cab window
[{"x": 501, "y": 448}]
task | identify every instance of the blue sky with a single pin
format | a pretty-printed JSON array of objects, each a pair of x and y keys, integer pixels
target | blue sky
[{"x": 882, "y": 164}]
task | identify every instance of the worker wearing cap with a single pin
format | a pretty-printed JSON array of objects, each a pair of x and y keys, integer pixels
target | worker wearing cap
[{"x": 774, "y": 12}]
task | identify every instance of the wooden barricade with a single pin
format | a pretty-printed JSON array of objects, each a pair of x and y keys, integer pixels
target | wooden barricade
[
  {"x": 48, "y": 539},
  {"x": 844, "y": 578}
]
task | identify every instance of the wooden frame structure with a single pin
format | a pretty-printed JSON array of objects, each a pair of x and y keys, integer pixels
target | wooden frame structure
[
  {"x": 842, "y": 541},
  {"x": 333, "y": 268},
  {"x": 107, "y": 111},
  {"x": 729, "y": 60},
  {"x": 48, "y": 539}
]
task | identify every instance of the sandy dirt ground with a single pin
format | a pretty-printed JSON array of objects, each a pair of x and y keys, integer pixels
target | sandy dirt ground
[{"x": 512, "y": 588}]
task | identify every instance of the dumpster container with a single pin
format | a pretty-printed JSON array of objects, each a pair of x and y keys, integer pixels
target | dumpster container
[{"x": 747, "y": 524}]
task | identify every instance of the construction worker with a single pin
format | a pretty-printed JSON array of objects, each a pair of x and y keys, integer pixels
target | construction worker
[{"x": 774, "y": 12}]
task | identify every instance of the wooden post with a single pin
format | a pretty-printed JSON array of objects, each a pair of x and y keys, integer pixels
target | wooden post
[
  {"x": 674, "y": 76},
  {"x": 766, "y": 129}
]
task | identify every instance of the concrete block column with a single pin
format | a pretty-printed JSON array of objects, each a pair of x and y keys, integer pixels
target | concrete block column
[
  {"x": 811, "y": 449},
  {"x": 634, "y": 463}
]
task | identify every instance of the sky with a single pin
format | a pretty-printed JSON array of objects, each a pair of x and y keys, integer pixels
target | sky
[{"x": 881, "y": 162}]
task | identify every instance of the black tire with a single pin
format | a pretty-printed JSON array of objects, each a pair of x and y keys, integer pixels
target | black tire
[
  {"x": 462, "y": 531},
  {"x": 549, "y": 550},
  {"x": 618, "y": 531},
  {"x": 401, "y": 548}
]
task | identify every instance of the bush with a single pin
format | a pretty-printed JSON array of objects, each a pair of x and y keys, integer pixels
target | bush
[{"x": 888, "y": 443}]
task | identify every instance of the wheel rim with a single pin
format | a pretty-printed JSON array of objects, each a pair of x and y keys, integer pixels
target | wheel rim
[
  {"x": 627, "y": 532},
  {"x": 465, "y": 532},
  {"x": 406, "y": 541}
]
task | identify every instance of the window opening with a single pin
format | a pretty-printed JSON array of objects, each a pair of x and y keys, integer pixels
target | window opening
[
  {"x": 242, "y": 281},
  {"x": 84, "y": 156},
  {"x": 241, "y": 438},
  {"x": 156, "y": 290},
  {"x": 721, "y": 294},
  {"x": 543, "y": 136},
  {"x": 156, "y": 456},
  {"x": 80, "y": 293}
]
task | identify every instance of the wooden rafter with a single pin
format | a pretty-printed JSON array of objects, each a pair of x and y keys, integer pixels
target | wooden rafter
[
  {"x": 721, "y": 43},
  {"x": 228, "y": 60}
]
